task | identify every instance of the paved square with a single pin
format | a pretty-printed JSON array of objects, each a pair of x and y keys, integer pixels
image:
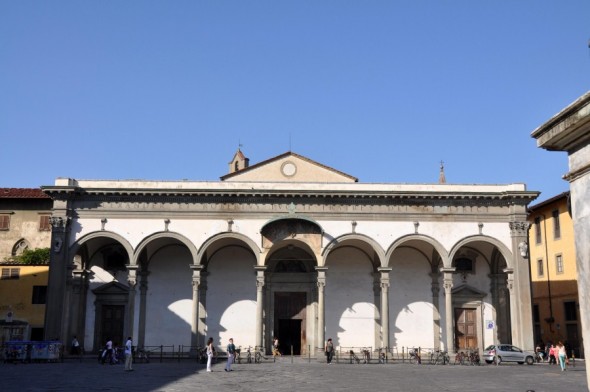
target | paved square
[{"x": 286, "y": 376}]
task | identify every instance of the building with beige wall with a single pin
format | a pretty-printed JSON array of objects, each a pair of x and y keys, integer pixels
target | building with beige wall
[
  {"x": 24, "y": 224},
  {"x": 554, "y": 273},
  {"x": 292, "y": 248}
]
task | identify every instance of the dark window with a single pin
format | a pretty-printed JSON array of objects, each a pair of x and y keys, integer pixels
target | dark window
[
  {"x": 556, "y": 225},
  {"x": 570, "y": 311},
  {"x": 4, "y": 222},
  {"x": 464, "y": 265},
  {"x": 540, "y": 271},
  {"x": 44, "y": 224},
  {"x": 39, "y": 295},
  {"x": 537, "y": 230},
  {"x": 10, "y": 273}
]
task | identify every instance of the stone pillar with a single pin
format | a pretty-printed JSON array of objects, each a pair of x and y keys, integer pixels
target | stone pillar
[
  {"x": 260, "y": 305},
  {"x": 449, "y": 316},
  {"x": 143, "y": 287},
  {"x": 56, "y": 285},
  {"x": 69, "y": 311},
  {"x": 132, "y": 282},
  {"x": 196, "y": 303},
  {"x": 513, "y": 306},
  {"x": 435, "y": 288},
  {"x": 321, "y": 283},
  {"x": 78, "y": 300},
  {"x": 384, "y": 281},
  {"x": 522, "y": 287}
]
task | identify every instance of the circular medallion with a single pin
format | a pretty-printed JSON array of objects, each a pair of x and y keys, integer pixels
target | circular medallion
[{"x": 288, "y": 169}]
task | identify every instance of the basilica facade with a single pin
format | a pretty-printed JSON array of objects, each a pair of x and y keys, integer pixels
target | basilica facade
[{"x": 290, "y": 248}]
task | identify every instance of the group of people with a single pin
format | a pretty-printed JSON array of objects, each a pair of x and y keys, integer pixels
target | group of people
[
  {"x": 553, "y": 353},
  {"x": 110, "y": 354}
]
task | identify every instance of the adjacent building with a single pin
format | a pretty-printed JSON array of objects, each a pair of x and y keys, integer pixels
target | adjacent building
[
  {"x": 291, "y": 248},
  {"x": 569, "y": 130},
  {"x": 554, "y": 274},
  {"x": 24, "y": 224}
]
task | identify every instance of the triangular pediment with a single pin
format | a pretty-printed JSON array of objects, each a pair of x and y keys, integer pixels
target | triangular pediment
[
  {"x": 111, "y": 288},
  {"x": 289, "y": 167},
  {"x": 466, "y": 291}
]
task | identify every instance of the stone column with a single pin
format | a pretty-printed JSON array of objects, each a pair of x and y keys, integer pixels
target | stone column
[
  {"x": 260, "y": 305},
  {"x": 79, "y": 286},
  {"x": 321, "y": 283},
  {"x": 513, "y": 306},
  {"x": 384, "y": 282},
  {"x": 132, "y": 282},
  {"x": 56, "y": 285},
  {"x": 69, "y": 311},
  {"x": 143, "y": 287},
  {"x": 522, "y": 286},
  {"x": 196, "y": 303},
  {"x": 435, "y": 288},
  {"x": 449, "y": 316}
]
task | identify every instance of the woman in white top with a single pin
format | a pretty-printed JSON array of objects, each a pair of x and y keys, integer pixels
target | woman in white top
[{"x": 562, "y": 355}]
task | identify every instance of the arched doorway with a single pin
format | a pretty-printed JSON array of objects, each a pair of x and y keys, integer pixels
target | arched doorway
[{"x": 292, "y": 292}]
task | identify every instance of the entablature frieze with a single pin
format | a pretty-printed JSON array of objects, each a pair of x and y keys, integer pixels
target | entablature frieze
[{"x": 357, "y": 206}]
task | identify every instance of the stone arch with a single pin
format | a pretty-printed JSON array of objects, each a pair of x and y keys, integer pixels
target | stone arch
[
  {"x": 165, "y": 235},
  {"x": 503, "y": 249},
  {"x": 295, "y": 243},
  {"x": 250, "y": 244},
  {"x": 416, "y": 237},
  {"x": 354, "y": 237},
  {"x": 75, "y": 247}
]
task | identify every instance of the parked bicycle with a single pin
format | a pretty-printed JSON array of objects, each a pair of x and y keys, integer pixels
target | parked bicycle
[
  {"x": 415, "y": 356},
  {"x": 439, "y": 357}
]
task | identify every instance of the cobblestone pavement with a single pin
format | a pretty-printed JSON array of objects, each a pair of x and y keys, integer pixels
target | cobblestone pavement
[{"x": 287, "y": 376}]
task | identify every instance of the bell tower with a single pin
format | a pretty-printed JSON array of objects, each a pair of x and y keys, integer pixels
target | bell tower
[{"x": 238, "y": 162}]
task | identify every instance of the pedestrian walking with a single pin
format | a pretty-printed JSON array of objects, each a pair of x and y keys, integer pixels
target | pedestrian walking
[
  {"x": 231, "y": 353},
  {"x": 210, "y": 352},
  {"x": 275, "y": 347},
  {"x": 108, "y": 352},
  {"x": 329, "y": 349},
  {"x": 129, "y": 355},
  {"x": 75, "y": 346},
  {"x": 562, "y": 355}
]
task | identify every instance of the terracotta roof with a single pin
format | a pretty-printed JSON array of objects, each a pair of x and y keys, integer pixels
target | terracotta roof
[{"x": 22, "y": 193}]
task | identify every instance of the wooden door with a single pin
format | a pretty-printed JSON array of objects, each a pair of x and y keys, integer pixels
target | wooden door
[
  {"x": 113, "y": 323},
  {"x": 289, "y": 321},
  {"x": 465, "y": 329}
]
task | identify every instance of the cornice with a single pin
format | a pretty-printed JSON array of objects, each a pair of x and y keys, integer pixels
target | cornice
[{"x": 269, "y": 195}]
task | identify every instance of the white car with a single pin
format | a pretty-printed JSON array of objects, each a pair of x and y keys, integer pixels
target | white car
[{"x": 507, "y": 353}]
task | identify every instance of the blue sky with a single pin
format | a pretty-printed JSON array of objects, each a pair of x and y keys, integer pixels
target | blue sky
[{"x": 381, "y": 90}]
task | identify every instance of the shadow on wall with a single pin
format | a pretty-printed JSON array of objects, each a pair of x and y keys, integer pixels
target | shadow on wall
[
  {"x": 231, "y": 298},
  {"x": 556, "y": 314}
]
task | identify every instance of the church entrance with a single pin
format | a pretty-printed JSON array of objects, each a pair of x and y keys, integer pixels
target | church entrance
[
  {"x": 465, "y": 329},
  {"x": 289, "y": 321},
  {"x": 113, "y": 323}
]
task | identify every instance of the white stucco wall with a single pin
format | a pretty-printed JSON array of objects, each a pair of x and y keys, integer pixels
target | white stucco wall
[
  {"x": 169, "y": 298},
  {"x": 231, "y": 298},
  {"x": 350, "y": 304},
  {"x": 410, "y": 301}
]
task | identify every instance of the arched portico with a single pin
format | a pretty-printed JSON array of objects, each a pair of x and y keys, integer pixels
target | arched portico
[
  {"x": 98, "y": 291},
  {"x": 415, "y": 261}
]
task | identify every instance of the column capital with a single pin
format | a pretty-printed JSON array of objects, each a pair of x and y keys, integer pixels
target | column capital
[
  {"x": 197, "y": 267},
  {"x": 448, "y": 270},
  {"x": 519, "y": 229}
]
